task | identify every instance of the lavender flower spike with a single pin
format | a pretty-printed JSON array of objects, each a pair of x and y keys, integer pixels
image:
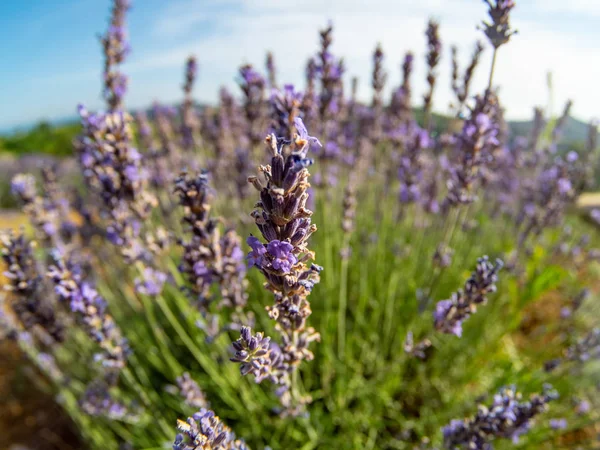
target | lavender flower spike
[
  {"x": 434, "y": 53},
  {"x": 151, "y": 282},
  {"x": 91, "y": 311},
  {"x": 116, "y": 48},
  {"x": 253, "y": 87},
  {"x": 209, "y": 258},
  {"x": 190, "y": 125},
  {"x": 32, "y": 306},
  {"x": 284, "y": 222},
  {"x": 507, "y": 417},
  {"x": 253, "y": 354},
  {"x": 191, "y": 392},
  {"x": 450, "y": 314},
  {"x": 498, "y": 31},
  {"x": 205, "y": 431}
]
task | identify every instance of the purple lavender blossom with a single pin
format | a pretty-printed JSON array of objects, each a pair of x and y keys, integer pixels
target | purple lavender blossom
[
  {"x": 23, "y": 186},
  {"x": 506, "y": 418},
  {"x": 98, "y": 401},
  {"x": 400, "y": 105},
  {"x": 190, "y": 125},
  {"x": 204, "y": 430},
  {"x": 450, "y": 314},
  {"x": 442, "y": 310},
  {"x": 285, "y": 106},
  {"x": 378, "y": 80},
  {"x": 32, "y": 307},
  {"x": 151, "y": 282},
  {"x": 564, "y": 186},
  {"x": 48, "y": 212},
  {"x": 252, "y": 352},
  {"x": 303, "y": 133},
  {"x": 256, "y": 256},
  {"x": 284, "y": 222},
  {"x": 583, "y": 407},
  {"x": 498, "y": 31},
  {"x": 475, "y": 146},
  {"x": 113, "y": 170},
  {"x": 116, "y": 48},
  {"x": 330, "y": 70},
  {"x": 191, "y": 392},
  {"x": 283, "y": 258},
  {"x": 434, "y": 53},
  {"x": 209, "y": 258},
  {"x": 558, "y": 424},
  {"x": 253, "y": 86},
  {"x": 412, "y": 141},
  {"x": 91, "y": 311}
]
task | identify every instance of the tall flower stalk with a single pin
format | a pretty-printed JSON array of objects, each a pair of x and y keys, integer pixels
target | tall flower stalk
[
  {"x": 209, "y": 259},
  {"x": 111, "y": 165},
  {"x": 450, "y": 314},
  {"x": 190, "y": 125},
  {"x": 508, "y": 417},
  {"x": 116, "y": 48},
  {"x": 498, "y": 30},
  {"x": 434, "y": 53},
  {"x": 35, "y": 310},
  {"x": 378, "y": 80},
  {"x": 205, "y": 431},
  {"x": 461, "y": 90},
  {"x": 283, "y": 258}
]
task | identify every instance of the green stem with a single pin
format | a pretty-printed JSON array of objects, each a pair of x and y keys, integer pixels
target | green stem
[
  {"x": 491, "y": 78},
  {"x": 343, "y": 302},
  {"x": 203, "y": 359}
]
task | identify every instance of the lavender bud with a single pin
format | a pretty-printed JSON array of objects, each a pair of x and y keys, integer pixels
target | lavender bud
[
  {"x": 507, "y": 418},
  {"x": 32, "y": 306},
  {"x": 191, "y": 392},
  {"x": 498, "y": 31},
  {"x": 450, "y": 314},
  {"x": 204, "y": 430}
]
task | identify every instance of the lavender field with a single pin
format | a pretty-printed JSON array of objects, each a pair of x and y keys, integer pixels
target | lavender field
[{"x": 295, "y": 268}]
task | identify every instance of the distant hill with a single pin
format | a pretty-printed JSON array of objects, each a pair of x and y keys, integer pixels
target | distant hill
[
  {"x": 575, "y": 131},
  {"x": 55, "y": 137}
]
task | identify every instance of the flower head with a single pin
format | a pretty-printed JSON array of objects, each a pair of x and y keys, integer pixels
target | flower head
[
  {"x": 498, "y": 31},
  {"x": 303, "y": 133},
  {"x": 283, "y": 258},
  {"x": 151, "y": 282},
  {"x": 256, "y": 256},
  {"x": 508, "y": 417},
  {"x": 450, "y": 314}
]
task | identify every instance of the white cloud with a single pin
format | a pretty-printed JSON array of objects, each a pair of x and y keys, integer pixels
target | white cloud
[
  {"x": 289, "y": 29},
  {"x": 572, "y": 6}
]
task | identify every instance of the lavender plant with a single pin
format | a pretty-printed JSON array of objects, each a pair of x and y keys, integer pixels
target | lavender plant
[
  {"x": 209, "y": 259},
  {"x": 506, "y": 418},
  {"x": 35, "y": 311},
  {"x": 450, "y": 314},
  {"x": 133, "y": 332},
  {"x": 284, "y": 222},
  {"x": 433, "y": 58}
]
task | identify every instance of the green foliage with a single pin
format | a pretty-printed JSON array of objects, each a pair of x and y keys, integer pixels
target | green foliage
[
  {"x": 367, "y": 393},
  {"x": 43, "y": 138},
  {"x": 7, "y": 200}
]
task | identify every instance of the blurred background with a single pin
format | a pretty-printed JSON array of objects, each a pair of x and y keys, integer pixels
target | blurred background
[{"x": 51, "y": 57}]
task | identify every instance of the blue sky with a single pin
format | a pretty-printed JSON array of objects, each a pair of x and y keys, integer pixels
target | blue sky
[{"x": 52, "y": 60}]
